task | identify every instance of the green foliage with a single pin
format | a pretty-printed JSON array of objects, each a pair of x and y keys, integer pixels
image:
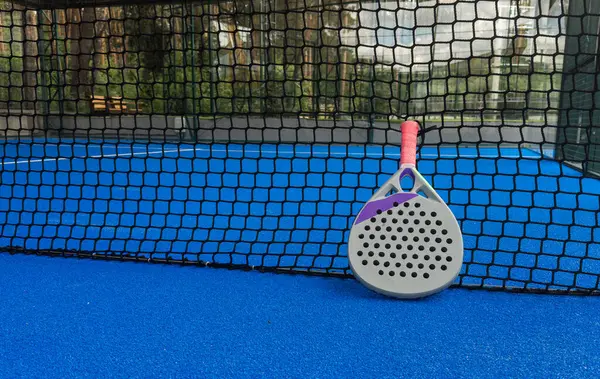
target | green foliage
[
  {"x": 11, "y": 80},
  {"x": 174, "y": 63}
]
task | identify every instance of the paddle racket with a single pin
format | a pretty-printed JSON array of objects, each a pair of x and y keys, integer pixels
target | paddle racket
[{"x": 406, "y": 244}]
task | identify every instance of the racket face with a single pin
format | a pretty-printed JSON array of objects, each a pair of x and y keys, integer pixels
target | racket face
[{"x": 406, "y": 245}]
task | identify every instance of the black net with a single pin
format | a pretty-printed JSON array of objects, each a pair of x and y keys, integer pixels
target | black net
[
  {"x": 579, "y": 143},
  {"x": 250, "y": 133}
]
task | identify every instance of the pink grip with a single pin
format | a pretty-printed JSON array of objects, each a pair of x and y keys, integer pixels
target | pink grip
[{"x": 410, "y": 131}]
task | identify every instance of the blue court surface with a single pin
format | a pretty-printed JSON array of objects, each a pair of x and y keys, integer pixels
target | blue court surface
[
  {"x": 63, "y": 318},
  {"x": 524, "y": 219}
]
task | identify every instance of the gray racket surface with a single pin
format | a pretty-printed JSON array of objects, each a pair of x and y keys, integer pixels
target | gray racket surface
[{"x": 406, "y": 244}]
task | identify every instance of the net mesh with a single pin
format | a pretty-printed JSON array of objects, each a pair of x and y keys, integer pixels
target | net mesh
[{"x": 250, "y": 133}]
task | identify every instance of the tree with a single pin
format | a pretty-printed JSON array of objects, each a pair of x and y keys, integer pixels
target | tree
[
  {"x": 30, "y": 53},
  {"x": 80, "y": 37}
]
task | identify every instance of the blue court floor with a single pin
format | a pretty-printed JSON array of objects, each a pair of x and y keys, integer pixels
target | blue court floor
[
  {"x": 63, "y": 318},
  {"x": 526, "y": 220}
]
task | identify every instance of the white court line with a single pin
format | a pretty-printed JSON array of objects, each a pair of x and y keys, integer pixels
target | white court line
[
  {"x": 94, "y": 156},
  {"x": 89, "y": 146},
  {"x": 395, "y": 155},
  {"x": 308, "y": 153},
  {"x": 67, "y": 158},
  {"x": 367, "y": 155}
]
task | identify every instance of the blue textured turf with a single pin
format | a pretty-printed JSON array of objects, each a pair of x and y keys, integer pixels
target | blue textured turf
[
  {"x": 293, "y": 205},
  {"x": 74, "y": 318}
]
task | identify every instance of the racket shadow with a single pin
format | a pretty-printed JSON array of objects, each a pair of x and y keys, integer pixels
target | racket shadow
[{"x": 354, "y": 289}]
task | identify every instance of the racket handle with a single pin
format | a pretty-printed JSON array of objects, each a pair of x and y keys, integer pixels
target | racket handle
[{"x": 410, "y": 131}]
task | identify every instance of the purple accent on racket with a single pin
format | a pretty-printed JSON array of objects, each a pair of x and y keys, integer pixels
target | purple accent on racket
[
  {"x": 370, "y": 210},
  {"x": 409, "y": 172}
]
